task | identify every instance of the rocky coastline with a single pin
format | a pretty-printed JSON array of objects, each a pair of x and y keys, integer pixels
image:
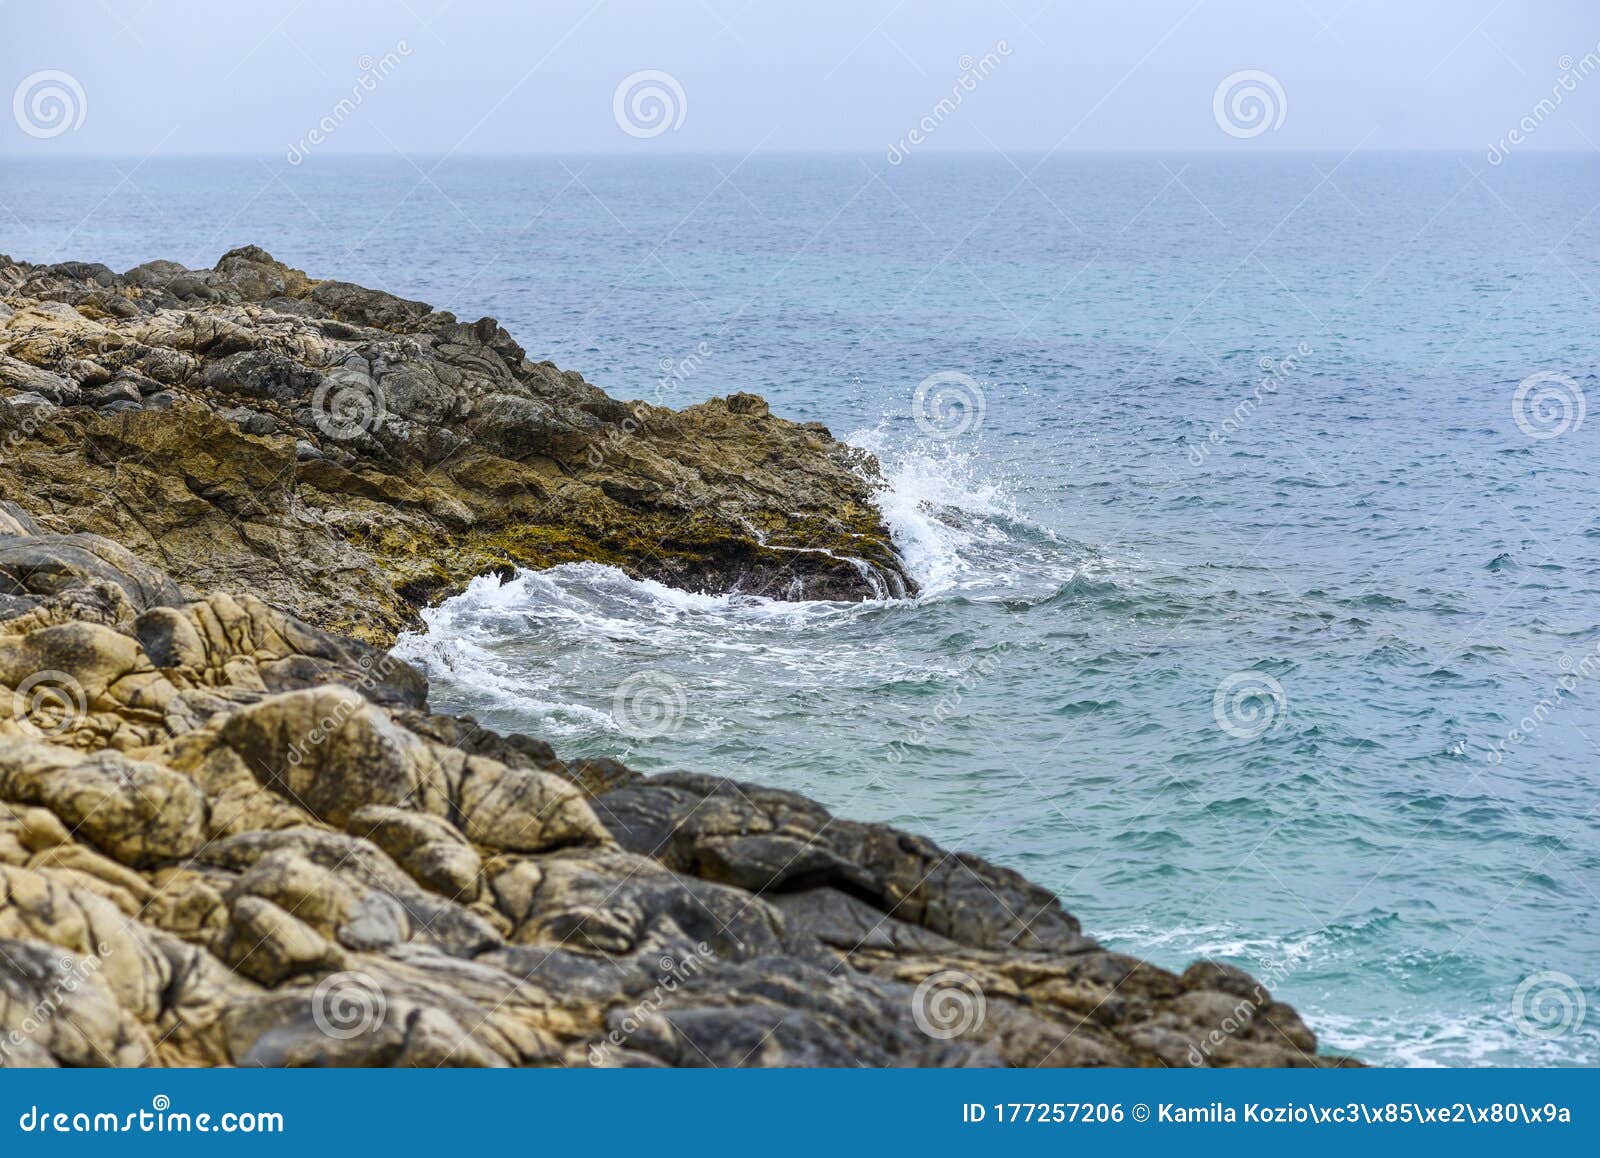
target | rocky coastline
[{"x": 232, "y": 832}]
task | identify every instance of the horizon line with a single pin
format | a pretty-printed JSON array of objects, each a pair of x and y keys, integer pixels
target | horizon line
[{"x": 642, "y": 154}]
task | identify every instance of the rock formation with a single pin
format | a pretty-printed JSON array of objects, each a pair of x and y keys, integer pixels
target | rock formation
[
  {"x": 329, "y": 446},
  {"x": 232, "y": 835}
]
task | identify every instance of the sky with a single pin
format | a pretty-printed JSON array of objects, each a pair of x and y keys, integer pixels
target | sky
[{"x": 147, "y": 78}]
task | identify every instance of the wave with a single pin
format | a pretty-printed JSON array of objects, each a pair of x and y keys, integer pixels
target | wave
[
  {"x": 1422, "y": 1038},
  {"x": 958, "y": 528},
  {"x": 957, "y": 531},
  {"x": 549, "y": 647},
  {"x": 1023, "y": 640},
  {"x": 1415, "y": 1030}
]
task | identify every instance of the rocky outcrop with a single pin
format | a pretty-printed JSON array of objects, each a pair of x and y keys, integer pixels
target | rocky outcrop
[
  {"x": 229, "y": 836},
  {"x": 329, "y": 448}
]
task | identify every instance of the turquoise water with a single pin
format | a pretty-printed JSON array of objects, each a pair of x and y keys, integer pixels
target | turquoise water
[{"x": 1373, "y": 545}]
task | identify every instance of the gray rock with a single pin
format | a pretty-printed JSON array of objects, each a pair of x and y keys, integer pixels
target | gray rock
[
  {"x": 37, "y": 564},
  {"x": 117, "y": 390},
  {"x": 174, "y": 808},
  {"x": 465, "y": 454},
  {"x": 252, "y": 421},
  {"x": 89, "y": 373},
  {"x": 16, "y": 521},
  {"x": 27, "y": 378},
  {"x": 30, "y": 401}
]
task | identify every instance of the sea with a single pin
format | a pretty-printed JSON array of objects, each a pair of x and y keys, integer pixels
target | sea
[{"x": 1253, "y": 499}]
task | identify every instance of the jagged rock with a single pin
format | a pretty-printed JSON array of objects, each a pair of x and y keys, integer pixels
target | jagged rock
[
  {"x": 430, "y": 849},
  {"x": 353, "y": 456}
]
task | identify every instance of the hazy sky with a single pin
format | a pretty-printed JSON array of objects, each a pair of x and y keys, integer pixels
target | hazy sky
[{"x": 143, "y": 77}]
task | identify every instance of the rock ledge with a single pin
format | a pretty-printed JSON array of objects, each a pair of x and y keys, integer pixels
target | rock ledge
[{"x": 357, "y": 456}]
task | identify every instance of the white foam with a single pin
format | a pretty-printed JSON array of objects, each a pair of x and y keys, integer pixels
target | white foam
[
  {"x": 949, "y": 523},
  {"x": 945, "y": 517},
  {"x": 550, "y": 646},
  {"x": 1419, "y": 1039}
]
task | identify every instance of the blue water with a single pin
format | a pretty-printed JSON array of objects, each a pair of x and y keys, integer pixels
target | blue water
[{"x": 1375, "y": 544}]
